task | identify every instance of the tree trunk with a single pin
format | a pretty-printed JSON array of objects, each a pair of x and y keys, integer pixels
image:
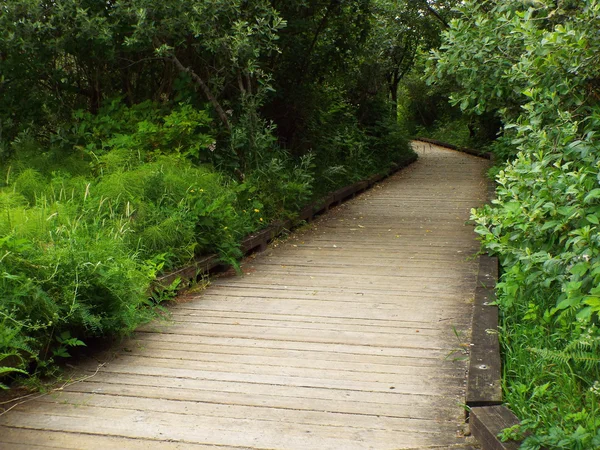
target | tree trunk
[{"x": 205, "y": 89}]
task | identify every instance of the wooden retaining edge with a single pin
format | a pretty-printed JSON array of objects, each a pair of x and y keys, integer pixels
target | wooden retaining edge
[
  {"x": 487, "y": 422},
  {"x": 487, "y": 416},
  {"x": 257, "y": 242},
  {"x": 484, "y": 386},
  {"x": 470, "y": 151}
]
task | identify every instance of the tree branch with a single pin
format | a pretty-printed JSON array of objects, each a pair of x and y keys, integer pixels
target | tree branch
[
  {"x": 436, "y": 14},
  {"x": 209, "y": 95},
  {"x": 306, "y": 61}
]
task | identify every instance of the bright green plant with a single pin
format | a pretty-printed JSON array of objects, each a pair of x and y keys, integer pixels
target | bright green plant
[
  {"x": 136, "y": 135},
  {"x": 536, "y": 64}
]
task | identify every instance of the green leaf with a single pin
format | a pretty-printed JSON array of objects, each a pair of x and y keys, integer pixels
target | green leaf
[
  {"x": 593, "y": 219},
  {"x": 592, "y": 195},
  {"x": 580, "y": 269},
  {"x": 594, "y": 302},
  {"x": 584, "y": 314},
  {"x": 568, "y": 303}
]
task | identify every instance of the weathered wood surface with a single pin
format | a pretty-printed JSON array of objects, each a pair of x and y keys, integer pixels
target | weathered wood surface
[
  {"x": 489, "y": 421},
  {"x": 342, "y": 337},
  {"x": 484, "y": 383}
]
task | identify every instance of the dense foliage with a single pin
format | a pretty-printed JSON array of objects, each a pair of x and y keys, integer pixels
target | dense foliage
[
  {"x": 135, "y": 135},
  {"x": 82, "y": 240},
  {"x": 537, "y": 65}
]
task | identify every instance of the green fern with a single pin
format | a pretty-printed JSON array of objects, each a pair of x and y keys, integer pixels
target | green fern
[
  {"x": 6, "y": 370},
  {"x": 30, "y": 184},
  {"x": 581, "y": 353}
]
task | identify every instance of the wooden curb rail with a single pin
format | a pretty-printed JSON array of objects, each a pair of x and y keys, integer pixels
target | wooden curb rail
[
  {"x": 487, "y": 416},
  {"x": 258, "y": 241}
]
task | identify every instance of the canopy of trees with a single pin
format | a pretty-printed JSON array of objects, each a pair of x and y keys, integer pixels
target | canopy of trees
[{"x": 136, "y": 135}]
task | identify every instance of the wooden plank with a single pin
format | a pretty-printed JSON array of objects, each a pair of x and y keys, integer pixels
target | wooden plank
[
  {"x": 380, "y": 275},
  {"x": 359, "y": 368},
  {"x": 306, "y": 214},
  {"x": 398, "y": 289},
  {"x": 26, "y": 439},
  {"x": 487, "y": 422},
  {"x": 321, "y": 336},
  {"x": 266, "y": 413},
  {"x": 487, "y": 276},
  {"x": 484, "y": 384},
  {"x": 176, "y": 313},
  {"x": 337, "y": 339},
  {"x": 265, "y": 396},
  {"x": 344, "y": 193},
  {"x": 245, "y": 432},
  {"x": 411, "y": 379},
  {"x": 271, "y": 322},
  {"x": 441, "y": 312},
  {"x": 302, "y": 357},
  {"x": 410, "y": 352},
  {"x": 372, "y": 295},
  {"x": 201, "y": 265},
  {"x": 388, "y": 403},
  {"x": 458, "y": 262}
]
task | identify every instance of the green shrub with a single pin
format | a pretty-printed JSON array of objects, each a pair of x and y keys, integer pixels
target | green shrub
[{"x": 534, "y": 65}]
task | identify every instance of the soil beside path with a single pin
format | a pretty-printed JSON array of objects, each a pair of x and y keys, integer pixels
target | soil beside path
[{"x": 346, "y": 336}]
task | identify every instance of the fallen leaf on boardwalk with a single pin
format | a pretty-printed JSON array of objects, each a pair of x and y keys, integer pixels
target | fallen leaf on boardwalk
[{"x": 360, "y": 226}]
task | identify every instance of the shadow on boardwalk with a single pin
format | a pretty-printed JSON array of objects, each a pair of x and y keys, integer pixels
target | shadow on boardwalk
[{"x": 336, "y": 339}]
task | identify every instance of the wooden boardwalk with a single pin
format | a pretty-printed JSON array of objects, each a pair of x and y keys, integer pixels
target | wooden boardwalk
[{"x": 338, "y": 338}]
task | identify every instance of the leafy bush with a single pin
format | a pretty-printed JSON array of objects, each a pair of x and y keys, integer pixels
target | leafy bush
[
  {"x": 79, "y": 250},
  {"x": 539, "y": 65},
  {"x": 114, "y": 167}
]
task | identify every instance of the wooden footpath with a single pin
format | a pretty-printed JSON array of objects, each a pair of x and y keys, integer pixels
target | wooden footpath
[{"x": 349, "y": 335}]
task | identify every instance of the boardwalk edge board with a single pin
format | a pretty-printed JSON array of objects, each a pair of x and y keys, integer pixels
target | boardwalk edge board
[
  {"x": 488, "y": 421},
  {"x": 487, "y": 415},
  {"x": 257, "y": 242},
  {"x": 484, "y": 379}
]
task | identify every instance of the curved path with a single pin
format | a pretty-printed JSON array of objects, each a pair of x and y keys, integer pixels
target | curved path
[{"x": 346, "y": 336}]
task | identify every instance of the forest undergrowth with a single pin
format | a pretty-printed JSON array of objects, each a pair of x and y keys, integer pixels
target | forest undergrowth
[{"x": 137, "y": 136}]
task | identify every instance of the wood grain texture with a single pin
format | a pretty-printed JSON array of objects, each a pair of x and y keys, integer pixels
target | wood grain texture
[
  {"x": 484, "y": 384},
  {"x": 489, "y": 421},
  {"x": 349, "y": 335}
]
